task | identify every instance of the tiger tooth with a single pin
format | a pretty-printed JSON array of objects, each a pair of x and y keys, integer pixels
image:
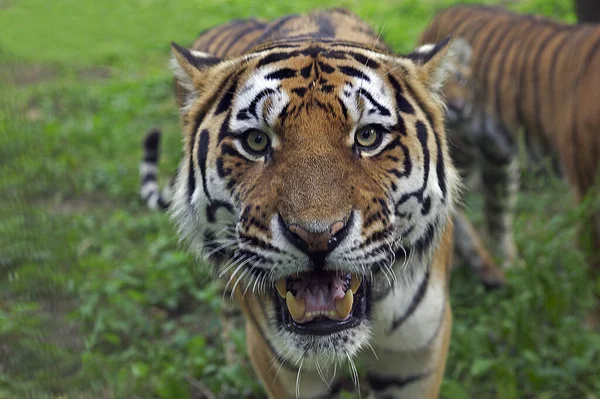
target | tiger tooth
[
  {"x": 295, "y": 306},
  {"x": 280, "y": 285},
  {"x": 343, "y": 306},
  {"x": 355, "y": 282}
]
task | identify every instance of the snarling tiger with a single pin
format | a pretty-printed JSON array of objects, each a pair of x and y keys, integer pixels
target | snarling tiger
[
  {"x": 317, "y": 177},
  {"x": 539, "y": 76}
]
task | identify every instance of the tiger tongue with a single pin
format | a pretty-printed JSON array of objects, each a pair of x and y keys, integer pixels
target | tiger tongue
[{"x": 323, "y": 295}]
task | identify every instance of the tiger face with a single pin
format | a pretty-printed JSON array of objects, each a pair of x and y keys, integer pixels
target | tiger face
[
  {"x": 459, "y": 87},
  {"x": 313, "y": 173}
]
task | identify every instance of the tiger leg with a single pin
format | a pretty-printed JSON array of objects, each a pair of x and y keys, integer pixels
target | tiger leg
[
  {"x": 470, "y": 249},
  {"x": 500, "y": 175},
  {"x": 468, "y": 245}
]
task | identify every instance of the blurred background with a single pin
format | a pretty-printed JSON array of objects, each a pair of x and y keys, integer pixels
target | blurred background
[{"x": 97, "y": 298}]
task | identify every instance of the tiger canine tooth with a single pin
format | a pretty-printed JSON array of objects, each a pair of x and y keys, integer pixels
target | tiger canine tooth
[
  {"x": 355, "y": 282},
  {"x": 281, "y": 287},
  {"x": 295, "y": 306},
  {"x": 343, "y": 306}
]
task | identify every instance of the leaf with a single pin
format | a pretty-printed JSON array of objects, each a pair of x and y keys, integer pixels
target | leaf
[
  {"x": 452, "y": 389},
  {"x": 481, "y": 366}
]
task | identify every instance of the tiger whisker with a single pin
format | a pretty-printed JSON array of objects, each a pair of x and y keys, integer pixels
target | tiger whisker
[
  {"x": 320, "y": 373},
  {"x": 372, "y": 350},
  {"x": 243, "y": 262},
  {"x": 354, "y": 373},
  {"x": 232, "y": 263},
  {"x": 241, "y": 276}
]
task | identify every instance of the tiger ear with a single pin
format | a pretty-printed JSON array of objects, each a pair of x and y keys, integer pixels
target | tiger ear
[
  {"x": 433, "y": 63},
  {"x": 461, "y": 51},
  {"x": 189, "y": 66}
]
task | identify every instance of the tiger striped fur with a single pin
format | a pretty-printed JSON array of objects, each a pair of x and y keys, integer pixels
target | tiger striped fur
[
  {"x": 316, "y": 174},
  {"x": 459, "y": 95},
  {"x": 539, "y": 76}
]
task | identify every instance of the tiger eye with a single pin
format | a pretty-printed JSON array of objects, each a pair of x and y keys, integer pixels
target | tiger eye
[
  {"x": 367, "y": 137},
  {"x": 256, "y": 141}
]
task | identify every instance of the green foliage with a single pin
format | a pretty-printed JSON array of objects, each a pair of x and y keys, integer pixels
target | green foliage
[{"x": 97, "y": 299}]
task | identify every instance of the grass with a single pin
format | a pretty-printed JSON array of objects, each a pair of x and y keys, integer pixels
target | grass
[{"x": 97, "y": 299}]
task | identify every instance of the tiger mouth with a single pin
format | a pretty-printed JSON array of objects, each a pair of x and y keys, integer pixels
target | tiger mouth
[{"x": 321, "y": 303}]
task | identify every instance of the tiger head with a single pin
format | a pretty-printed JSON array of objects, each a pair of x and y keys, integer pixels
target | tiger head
[
  {"x": 459, "y": 87},
  {"x": 310, "y": 170}
]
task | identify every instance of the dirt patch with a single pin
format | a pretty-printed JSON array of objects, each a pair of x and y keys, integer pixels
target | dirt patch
[
  {"x": 94, "y": 73},
  {"x": 32, "y": 74},
  {"x": 84, "y": 203},
  {"x": 24, "y": 75}
]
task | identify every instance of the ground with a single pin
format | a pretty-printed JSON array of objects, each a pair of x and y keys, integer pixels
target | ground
[{"x": 97, "y": 298}]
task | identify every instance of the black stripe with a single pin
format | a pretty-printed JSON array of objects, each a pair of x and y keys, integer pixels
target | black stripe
[
  {"x": 422, "y": 136},
  {"x": 326, "y": 28},
  {"x": 203, "y": 146},
  {"x": 552, "y": 74},
  {"x": 225, "y": 102},
  {"x": 424, "y": 242},
  {"x": 381, "y": 383},
  {"x": 505, "y": 61},
  {"x": 440, "y": 166},
  {"x": 218, "y": 43},
  {"x": 382, "y": 110},
  {"x": 197, "y": 122},
  {"x": 343, "y": 107},
  {"x": 191, "y": 178},
  {"x": 351, "y": 71},
  {"x": 151, "y": 156},
  {"x": 213, "y": 207},
  {"x": 162, "y": 203},
  {"x": 224, "y": 129},
  {"x": 284, "y": 73},
  {"x": 148, "y": 177},
  {"x": 402, "y": 103},
  {"x": 421, "y": 105},
  {"x": 197, "y": 62},
  {"x": 221, "y": 169},
  {"x": 426, "y": 206},
  {"x": 276, "y": 57},
  {"x": 522, "y": 88},
  {"x": 491, "y": 56},
  {"x": 537, "y": 104},
  {"x": 582, "y": 173},
  {"x": 273, "y": 27},
  {"x": 366, "y": 61},
  {"x": 325, "y": 67},
  {"x": 414, "y": 303},
  {"x": 244, "y": 32},
  {"x": 391, "y": 145},
  {"x": 252, "y": 107}
]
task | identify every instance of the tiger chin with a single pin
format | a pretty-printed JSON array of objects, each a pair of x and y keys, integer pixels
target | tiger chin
[{"x": 316, "y": 178}]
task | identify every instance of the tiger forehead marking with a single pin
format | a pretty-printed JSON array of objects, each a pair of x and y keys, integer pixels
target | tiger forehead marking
[{"x": 316, "y": 174}]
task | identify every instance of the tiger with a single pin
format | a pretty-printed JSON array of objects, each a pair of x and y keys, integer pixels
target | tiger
[
  {"x": 538, "y": 76},
  {"x": 459, "y": 95},
  {"x": 317, "y": 180}
]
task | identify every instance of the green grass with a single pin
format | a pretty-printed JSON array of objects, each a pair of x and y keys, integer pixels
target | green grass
[{"x": 97, "y": 299}]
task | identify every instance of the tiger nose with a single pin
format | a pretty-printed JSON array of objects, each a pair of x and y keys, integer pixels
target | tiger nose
[
  {"x": 458, "y": 104},
  {"x": 316, "y": 243}
]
